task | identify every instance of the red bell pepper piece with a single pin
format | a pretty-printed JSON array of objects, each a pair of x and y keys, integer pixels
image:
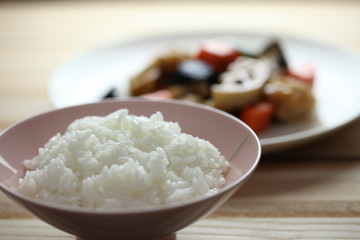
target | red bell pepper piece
[
  {"x": 163, "y": 94},
  {"x": 305, "y": 73},
  {"x": 258, "y": 116},
  {"x": 218, "y": 53}
]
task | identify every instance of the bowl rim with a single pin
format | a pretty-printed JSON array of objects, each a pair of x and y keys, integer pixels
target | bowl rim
[{"x": 141, "y": 209}]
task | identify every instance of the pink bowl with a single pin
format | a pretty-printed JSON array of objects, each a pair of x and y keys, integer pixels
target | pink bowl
[{"x": 231, "y": 136}]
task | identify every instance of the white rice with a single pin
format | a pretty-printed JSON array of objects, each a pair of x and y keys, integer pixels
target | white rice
[{"x": 123, "y": 161}]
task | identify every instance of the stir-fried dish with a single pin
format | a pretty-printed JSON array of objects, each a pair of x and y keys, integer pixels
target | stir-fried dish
[{"x": 259, "y": 89}]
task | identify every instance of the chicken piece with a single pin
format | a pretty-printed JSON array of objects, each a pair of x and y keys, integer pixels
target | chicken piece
[
  {"x": 293, "y": 99},
  {"x": 146, "y": 81},
  {"x": 150, "y": 79}
]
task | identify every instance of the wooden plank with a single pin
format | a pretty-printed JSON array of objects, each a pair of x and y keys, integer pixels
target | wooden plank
[{"x": 214, "y": 228}]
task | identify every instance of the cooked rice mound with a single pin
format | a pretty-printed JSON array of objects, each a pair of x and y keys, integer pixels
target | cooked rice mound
[{"x": 123, "y": 161}]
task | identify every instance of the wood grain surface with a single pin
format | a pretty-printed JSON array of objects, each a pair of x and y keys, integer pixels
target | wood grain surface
[{"x": 311, "y": 192}]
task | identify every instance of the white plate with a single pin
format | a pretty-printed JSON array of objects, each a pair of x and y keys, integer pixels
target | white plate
[{"x": 88, "y": 77}]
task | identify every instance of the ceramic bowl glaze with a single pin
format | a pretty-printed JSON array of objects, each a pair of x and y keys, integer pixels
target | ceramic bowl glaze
[{"x": 231, "y": 136}]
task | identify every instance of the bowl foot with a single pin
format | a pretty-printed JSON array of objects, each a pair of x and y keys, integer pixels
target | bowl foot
[{"x": 171, "y": 236}]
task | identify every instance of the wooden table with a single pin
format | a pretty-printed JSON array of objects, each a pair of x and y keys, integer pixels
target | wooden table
[{"x": 312, "y": 192}]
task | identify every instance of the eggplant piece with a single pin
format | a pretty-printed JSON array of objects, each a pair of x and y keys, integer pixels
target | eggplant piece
[
  {"x": 193, "y": 70},
  {"x": 241, "y": 84},
  {"x": 110, "y": 94},
  {"x": 276, "y": 57},
  {"x": 192, "y": 76}
]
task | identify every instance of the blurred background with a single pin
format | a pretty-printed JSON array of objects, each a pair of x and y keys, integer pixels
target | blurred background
[{"x": 37, "y": 36}]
